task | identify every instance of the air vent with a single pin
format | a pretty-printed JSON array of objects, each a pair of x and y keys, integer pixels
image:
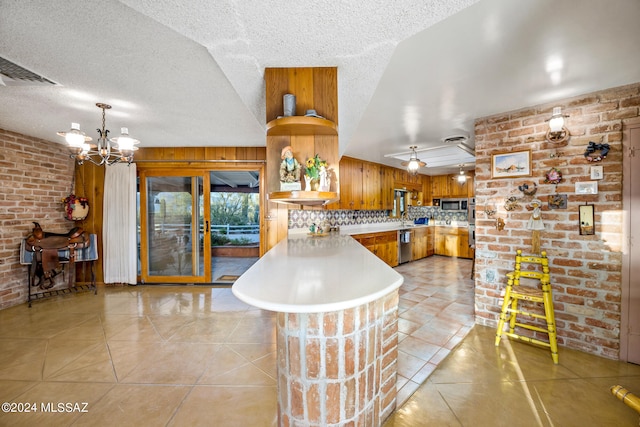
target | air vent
[
  {"x": 455, "y": 139},
  {"x": 14, "y": 75}
]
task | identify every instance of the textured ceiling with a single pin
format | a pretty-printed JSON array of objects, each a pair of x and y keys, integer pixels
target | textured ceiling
[{"x": 190, "y": 73}]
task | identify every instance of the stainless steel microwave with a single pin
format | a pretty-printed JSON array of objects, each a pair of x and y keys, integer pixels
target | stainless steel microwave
[{"x": 454, "y": 204}]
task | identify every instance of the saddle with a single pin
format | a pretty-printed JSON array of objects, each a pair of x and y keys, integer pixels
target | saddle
[{"x": 45, "y": 246}]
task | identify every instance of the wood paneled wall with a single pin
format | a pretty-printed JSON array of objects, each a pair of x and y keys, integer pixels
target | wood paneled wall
[{"x": 90, "y": 178}]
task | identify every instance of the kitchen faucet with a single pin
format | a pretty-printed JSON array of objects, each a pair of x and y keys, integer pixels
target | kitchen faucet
[{"x": 404, "y": 218}]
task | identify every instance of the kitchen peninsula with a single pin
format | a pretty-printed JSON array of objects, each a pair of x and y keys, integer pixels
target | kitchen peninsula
[{"x": 337, "y": 330}]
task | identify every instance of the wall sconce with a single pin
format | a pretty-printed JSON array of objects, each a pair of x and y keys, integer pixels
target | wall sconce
[{"x": 557, "y": 132}]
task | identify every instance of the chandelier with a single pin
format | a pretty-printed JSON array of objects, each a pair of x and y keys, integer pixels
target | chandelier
[
  {"x": 107, "y": 151},
  {"x": 414, "y": 162}
]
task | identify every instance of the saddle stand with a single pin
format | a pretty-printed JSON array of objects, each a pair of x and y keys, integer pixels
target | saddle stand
[{"x": 45, "y": 246}]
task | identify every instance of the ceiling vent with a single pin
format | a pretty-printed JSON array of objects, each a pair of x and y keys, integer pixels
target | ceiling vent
[
  {"x": 14, "y": 75},
  {"x": 455, "y": 139}
]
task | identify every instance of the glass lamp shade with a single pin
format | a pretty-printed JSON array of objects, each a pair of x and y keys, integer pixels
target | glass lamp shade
[
  {"x": 413, "y": 165},
  {"x": 125, "y": 143},
  {"x": 74, "y": 137},
  {"x": 556, "y": 123}
]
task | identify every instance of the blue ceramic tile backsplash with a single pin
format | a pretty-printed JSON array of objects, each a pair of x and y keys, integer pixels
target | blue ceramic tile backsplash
[{"x": 304, "y": 218}]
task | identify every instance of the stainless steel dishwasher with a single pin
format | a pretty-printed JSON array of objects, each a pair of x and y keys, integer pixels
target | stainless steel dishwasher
[{"x": 404, "y": 243}]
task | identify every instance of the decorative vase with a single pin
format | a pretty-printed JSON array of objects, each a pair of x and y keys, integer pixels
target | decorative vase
[
  {"x": 311, "y": 184},
  {"x": 289, "y": 102}
]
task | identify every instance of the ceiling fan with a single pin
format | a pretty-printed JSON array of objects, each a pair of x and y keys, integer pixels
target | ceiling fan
[{"x": 414, "y": 162}]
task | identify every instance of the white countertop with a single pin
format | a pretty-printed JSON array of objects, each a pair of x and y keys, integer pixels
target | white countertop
[{"x": 304, "y": 274}]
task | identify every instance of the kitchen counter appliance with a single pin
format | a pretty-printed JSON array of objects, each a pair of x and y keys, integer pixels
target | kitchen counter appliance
[
  {"x": 404, "y": 246},
  {"x": 459, "y": 205}
]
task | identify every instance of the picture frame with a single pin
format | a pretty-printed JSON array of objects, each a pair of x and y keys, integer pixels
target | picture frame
[
  {"x": 586, "y": 187},
  {"x": 558, "y": 201},
  {"x": 511, "y": 164},
  {"x": 436, "y": 202},
  {"x": 586, "y": 221},
  {"x": 597, "y": 172}
]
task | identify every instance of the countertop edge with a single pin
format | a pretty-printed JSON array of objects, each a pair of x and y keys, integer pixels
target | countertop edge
[{"x": 317, "y": 308}]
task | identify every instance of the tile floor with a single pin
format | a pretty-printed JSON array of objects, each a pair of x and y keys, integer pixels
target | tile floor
[{"x": 195, "y": 355}]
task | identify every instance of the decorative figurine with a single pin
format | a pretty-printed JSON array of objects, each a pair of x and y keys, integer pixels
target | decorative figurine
[
  {"x": 596, "y": 152},
  {"x": 535, "y": 224},
  {"x": 289, "y": 170},
  {"x": 324, "y": 179}
]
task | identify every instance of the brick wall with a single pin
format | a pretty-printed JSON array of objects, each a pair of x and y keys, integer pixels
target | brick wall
[
  {"x": 34, "y": 176},
  {"x": 338, "y": 368},
  {"x": 585, "y": 269}
]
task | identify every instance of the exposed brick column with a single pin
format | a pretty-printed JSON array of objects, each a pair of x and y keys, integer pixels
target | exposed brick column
[{"x": 338, "y": 368}]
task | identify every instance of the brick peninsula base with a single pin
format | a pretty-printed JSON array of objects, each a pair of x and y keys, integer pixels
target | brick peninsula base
[{"x": 338, "y": 368}]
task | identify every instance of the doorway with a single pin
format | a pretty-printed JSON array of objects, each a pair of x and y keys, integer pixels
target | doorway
[{"x": 198, "y": 226}]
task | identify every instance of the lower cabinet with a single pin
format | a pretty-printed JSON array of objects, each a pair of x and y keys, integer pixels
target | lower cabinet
[
  {"x": 422, "y": 242},
  {"x": 384, "y": 245},
  {"x": 452, "y": 241}
]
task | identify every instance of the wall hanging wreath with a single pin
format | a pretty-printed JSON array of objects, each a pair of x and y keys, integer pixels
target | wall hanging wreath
[
  {"x": 554, "y": 176},
  {"x": 76, "y": 208}
]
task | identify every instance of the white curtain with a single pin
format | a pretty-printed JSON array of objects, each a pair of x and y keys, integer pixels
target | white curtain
[{"x": 119, "y": 240}]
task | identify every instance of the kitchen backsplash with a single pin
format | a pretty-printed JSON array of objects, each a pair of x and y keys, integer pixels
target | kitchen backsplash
[{"x": 299, "y": 218}]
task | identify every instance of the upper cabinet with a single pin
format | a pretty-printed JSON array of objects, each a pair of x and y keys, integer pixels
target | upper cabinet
[
  {"x": 369, "y": 186},
  {"x": 448, "y": 186},
  {"x": 315, "y": 88}
]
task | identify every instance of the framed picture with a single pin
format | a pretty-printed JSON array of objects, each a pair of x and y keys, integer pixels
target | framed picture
[
  {"x": 558, "y": 201},
  {"x": 597, "y": 172},
  {"x": 511, "y": 164},
  {"x": 587, "y": 187},
  {"x": 436, "y": 202},
  {"x": 587, "y": 220}
]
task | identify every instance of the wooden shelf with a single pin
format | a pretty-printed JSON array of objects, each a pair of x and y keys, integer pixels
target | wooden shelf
[
  {"x": 301, "y": 125},
  {"x": 306, "y": 198}
]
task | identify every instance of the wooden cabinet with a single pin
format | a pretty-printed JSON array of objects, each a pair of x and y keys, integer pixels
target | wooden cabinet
[
  {"x": 368, "y": 185},
  {"x": 457, "y": 189},
  {"x": 371, "y": 188},
  {"x": 422, "y": 242},
  {"x": 388, "y": 179},
  {"x": 314, "y": 88},
  {"x": 365, "y": 185},
  {"x": 452, "y": 241},
  {"x": 439, "y": 186},
  {"x": 448, "y": 186},
  {"x": 351, "y": 183},
  {"x": 384, "y": 245}
]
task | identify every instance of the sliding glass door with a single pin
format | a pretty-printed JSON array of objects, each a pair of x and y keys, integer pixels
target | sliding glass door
[
  {"x": 174, "y": 234},
  {"x": 198, "y": 225}
]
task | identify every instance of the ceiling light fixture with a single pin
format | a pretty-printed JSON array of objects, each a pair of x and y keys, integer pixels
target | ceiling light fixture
[
  {"x": 462, "y": 178},
  {"x": 102, "y": 153},
  {"x": 414, "y": 162},
  {"x": 557, "y": 132}
]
